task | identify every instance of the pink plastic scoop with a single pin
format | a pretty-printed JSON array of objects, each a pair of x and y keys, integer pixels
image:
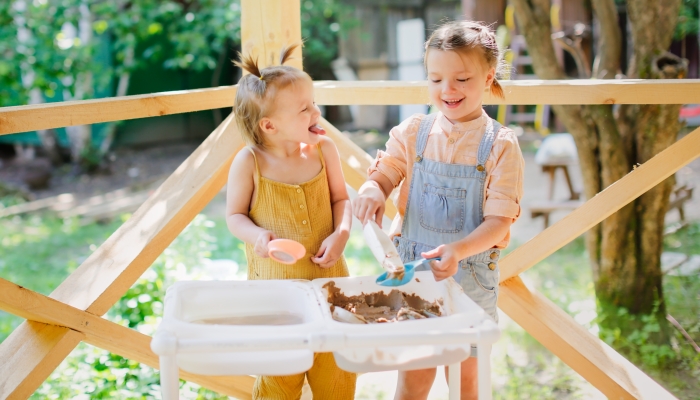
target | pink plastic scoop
[{"x": 285, "y": 251}]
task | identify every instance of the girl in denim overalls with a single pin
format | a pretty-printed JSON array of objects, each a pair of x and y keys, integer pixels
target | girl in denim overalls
[{"x": 462, "y": 180}]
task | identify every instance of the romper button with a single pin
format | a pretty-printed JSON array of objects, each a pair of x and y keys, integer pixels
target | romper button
[
  {"x": 493, "y": 255},
  {"x": 298, "y": 190},
  {"x": 451, "y": 141},
  {"x": 302, "y": 207},
  {"x": 480, "y": 168},
  {"x": 419, "y": 158},
  {"x": 492, "y": 266},
  {"x": 304, "y": 222}
]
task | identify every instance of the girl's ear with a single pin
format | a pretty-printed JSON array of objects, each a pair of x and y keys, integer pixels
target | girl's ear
[
  {"x": 267, "y": 126},
  {"x": 490, "y": 76}
]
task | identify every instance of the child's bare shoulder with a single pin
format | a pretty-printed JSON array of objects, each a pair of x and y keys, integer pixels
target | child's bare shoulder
[
  {"x": 244, "y": 161},
  {"x": 327, "y": 144}
]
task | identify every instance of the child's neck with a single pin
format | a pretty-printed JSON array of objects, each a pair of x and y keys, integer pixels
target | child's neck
[{"x": 286, "y": 149}]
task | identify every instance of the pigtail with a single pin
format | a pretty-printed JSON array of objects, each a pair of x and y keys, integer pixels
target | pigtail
[
  {"x": 497, "y": 89},
  {"x": 286, "y": 53},
  {"x": 249, "y": 65}
]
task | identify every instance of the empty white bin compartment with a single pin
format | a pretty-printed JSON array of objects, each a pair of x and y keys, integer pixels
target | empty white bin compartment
[{"x": 221, "y": 310}]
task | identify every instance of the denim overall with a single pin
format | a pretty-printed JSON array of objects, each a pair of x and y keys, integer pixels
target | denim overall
[{"x": 445, "y": 204}]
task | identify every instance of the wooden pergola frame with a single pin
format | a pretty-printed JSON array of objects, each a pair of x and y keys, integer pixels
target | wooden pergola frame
[{"x": 72, "y": 313}]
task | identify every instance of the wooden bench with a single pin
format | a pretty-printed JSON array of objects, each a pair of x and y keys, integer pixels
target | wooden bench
[{"x": 679, "y": 196}]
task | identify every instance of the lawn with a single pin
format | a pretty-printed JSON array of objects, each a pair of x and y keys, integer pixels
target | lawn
[{"x": 39, "y": 251}]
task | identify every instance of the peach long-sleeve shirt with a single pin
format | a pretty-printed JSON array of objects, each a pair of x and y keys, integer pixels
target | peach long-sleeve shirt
[{"x": 458, "y": 143}]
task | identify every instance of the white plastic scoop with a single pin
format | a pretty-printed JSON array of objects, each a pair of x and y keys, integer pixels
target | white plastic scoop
[{"x": 384, "y": 251}]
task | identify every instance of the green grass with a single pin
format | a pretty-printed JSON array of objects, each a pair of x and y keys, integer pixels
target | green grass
[{"x": 39, "y": 251}]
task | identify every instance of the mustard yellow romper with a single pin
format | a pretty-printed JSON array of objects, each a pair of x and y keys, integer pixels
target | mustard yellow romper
[{"x": 303, "y": 213}]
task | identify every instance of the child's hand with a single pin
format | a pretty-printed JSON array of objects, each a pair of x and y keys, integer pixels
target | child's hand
[
  {"x": 331, "y": 250},
  {"x": 448, "y": 264},
  {"x": 369, "y": 204},
  {"x": 261, "y": 243}
]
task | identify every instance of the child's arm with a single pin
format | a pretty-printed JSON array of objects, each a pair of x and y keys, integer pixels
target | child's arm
[
  {"x": 484, "y": 237},
  {"x": 386, "y": 173},
  {"x": 239, "y": 194},
  {"x": 332, "y": 247}
]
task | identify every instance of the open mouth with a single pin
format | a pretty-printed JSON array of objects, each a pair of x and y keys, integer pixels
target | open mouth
[
  {"x": 452, "y": 103},
  {"x": 317, "y": 129}
]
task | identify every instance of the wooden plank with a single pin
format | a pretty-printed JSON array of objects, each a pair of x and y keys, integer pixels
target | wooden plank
[
  {"x": 355, "y": 161},
  {"x": 575, "y": 91},
  {"x": 605, "y": 203},
  {"x": 586, "y": 91},
  {"x": 77, "y": 324},
  {"x": 586, "y": 354},
  {"x": 267, "y": 27},
  {"x": 56, "y": 115},
  {"x": 109, "y": 272},
  {"x": 26, "y": 364}
]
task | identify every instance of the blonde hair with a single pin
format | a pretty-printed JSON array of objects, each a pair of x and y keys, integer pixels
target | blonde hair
[
  {"x": 255, "y": 93},
  {"x": 465, "y": 36}
]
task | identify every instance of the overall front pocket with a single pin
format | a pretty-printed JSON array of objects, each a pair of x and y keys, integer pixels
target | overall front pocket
[{"x": 442, "y": 209}]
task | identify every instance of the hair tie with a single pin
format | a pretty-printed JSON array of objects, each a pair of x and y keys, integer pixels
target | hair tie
[{"x": 260, "y": 77}]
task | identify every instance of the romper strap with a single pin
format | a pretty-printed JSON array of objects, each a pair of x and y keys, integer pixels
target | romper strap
[
  {"x": 487, "y": 143},
  {"x": 255, "y": 158},
  {"x": 320, "y": 154},
  {"x": 426, "y": 124}
]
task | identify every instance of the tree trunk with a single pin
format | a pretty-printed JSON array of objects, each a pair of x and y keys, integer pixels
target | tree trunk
[
  {"x": 46, "y": 136},
  {"x": 625, "y": 249},
  {"x": 80, "y": 136}
]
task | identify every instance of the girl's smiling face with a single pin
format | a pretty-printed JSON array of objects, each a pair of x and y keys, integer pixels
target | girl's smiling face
[
  {"x": 295, "y": 115},
  {"x": 457, "y": 81}
]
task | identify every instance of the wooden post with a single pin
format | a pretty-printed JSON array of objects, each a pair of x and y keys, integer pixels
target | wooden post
[{"x": 269, "y": 25}]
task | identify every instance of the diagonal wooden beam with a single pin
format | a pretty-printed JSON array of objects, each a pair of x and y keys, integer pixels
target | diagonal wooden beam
[
  {"x": 605, "y": 203},
  {"x": 25, "y": 364},
  {"x": 586, "y": 354},
  {"x": 43, "y": 311},
  {"x": 587, "y": 91},
  {"x": 114, "y": 267}
]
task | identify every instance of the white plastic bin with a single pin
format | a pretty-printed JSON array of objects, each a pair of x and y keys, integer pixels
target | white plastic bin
[{"x": 245, "y": 343}]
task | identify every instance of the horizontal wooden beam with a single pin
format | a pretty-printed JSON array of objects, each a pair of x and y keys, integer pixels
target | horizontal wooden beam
[
  {"x": 111, "y": 270},
  {"x": 105, "y": 334},
  {"x": 355, "y": 161},
  {"x": 575, "y": 91},
  {"x": 604, "y": 204},
  {"x": 586, "y": 354},
  {"x": 56, "y": 115}
]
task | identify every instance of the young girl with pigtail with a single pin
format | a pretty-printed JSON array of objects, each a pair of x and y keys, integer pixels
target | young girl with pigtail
[
  {"x": 462, "y": 175},
  {"x": 288, "y": 183}
]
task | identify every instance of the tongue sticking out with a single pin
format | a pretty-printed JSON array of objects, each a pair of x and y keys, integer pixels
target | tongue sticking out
[{"x": 317, "y": 129}]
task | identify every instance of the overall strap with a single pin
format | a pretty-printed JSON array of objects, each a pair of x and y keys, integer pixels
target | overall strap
[
  {"x": 255, "y": 158},
  {"x": 486, "y": 144},
  {"x": 426, "y": 125}
]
